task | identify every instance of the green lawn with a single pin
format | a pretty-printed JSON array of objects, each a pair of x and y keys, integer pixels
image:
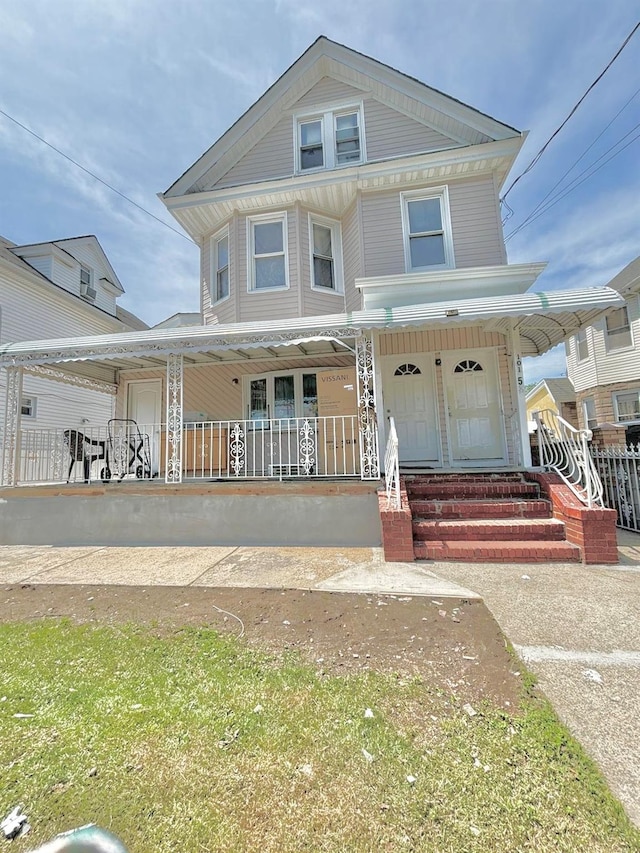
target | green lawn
[{"x": 189, "y": 741}]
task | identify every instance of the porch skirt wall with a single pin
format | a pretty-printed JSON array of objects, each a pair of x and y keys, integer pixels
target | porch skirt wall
[{"x": 231, "y": 520}]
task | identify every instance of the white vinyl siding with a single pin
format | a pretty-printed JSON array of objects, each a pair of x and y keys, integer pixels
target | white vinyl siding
[
  {"x": 327, "y": 91},
  {"x": 352, "y": 261},
  {"x": 393, "y": 134},
  {"x": 271, "y": 157}
]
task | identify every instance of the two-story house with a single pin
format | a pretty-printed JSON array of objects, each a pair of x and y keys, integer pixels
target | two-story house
[
  {"x": 603, "y": 361},
  {"x": 60, "y": 288},
  {"x": 353, "y": 271}
]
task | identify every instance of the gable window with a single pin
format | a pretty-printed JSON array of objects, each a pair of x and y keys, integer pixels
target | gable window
[
  {"x": 220, "y": 266},
  {"x": 582, "y": 345},
  {"x": 589, "y": 412},
  {"x": 28, "y": 406},
  {"x": 427, "y": 230},
  {"x": 85, "y": 277},
  {"x": 329, "y": 139},
  {"x": 326, "y": 254},
  {"x": 267, "y": 238},
  {"x": 626, "y": 406},
  {"x": 617, "y": 329}
]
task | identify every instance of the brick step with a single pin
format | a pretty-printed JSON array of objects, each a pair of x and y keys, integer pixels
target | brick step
[
  {"x": 477, "y": 490},
  {"x": 432, "y": 477},
  {"x": 497, "y": 552},
  {"x": 502, "y": 529},
  {"x": 496, "y": 508}
]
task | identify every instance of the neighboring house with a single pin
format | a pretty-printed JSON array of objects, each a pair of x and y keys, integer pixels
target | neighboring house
[
  {"x": 353, "y": 269},
  {"x": 56, "y": 290},
  {"x": 555, "y": 395},
  {"x": 191, "y": 318},
  {"x": 603, "y": 361}
]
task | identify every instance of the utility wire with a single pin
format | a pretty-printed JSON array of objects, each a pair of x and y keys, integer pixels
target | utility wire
[
  {"x": 570, "y": 188},
  {"x": 95, "y": 177},
  {"x": 540, "y": 204},
  {"x": 558, "y": 129}
]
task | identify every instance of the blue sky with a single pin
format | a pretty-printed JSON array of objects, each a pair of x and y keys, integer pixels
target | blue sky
[{"x": 136, "y": 90}]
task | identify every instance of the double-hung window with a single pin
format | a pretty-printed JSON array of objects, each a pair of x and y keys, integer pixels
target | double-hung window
[
  {"x": 329, "y": 139},
  {"x": 627, "y": 406},
  {"x": 85, "y": 278},
  {"x": 267, "y": 239},
  {"x": 582, "y": 345},
  {"x": 220, "y": 266},
  {"x": 618, "y": 329},
  {"x": 28, "y": 407},
  {"x": 589, "y": 412},
  {"x": 427, "y": 230},
  {"x": 326, "y": 254}
]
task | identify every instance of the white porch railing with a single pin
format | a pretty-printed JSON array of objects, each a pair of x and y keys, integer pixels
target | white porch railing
[
  {"x": 392, "y": 468},
  {"x": 233, "y": 449},
  {"x": 565, "y": 450}
]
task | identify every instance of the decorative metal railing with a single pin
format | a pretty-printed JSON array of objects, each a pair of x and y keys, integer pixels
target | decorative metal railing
[
  {"x": 619, "y": 470},
  {"x": 392, "y": 468},
  {"x": 233, "y": 449},
  {"x": 565, "y": 450}
]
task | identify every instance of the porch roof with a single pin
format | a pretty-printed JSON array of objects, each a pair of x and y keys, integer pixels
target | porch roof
[{"x": 542, "y": 320}]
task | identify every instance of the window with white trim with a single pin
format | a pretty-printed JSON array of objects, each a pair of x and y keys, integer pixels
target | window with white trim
[
  {"x": 618, "y": 329},
  {"x": 428, "y": 243},
  {"x": 329, "y": 139},
  {"x": 28, "y": 407},
  {"x": 582, "y": 345},
  {"x": 589, "y": 412},
  {"x": 288, "y": 394},
  {"x": 267, "y": 239},
  {"x": 85, "y": 277},
  {"x": 626, "y": 406},
  {"x": 326, "y": 254},
  {"x": 220, "y": 266}
]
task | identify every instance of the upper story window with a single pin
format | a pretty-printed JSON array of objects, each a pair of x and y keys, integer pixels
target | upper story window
[
  {"x": 267, "y": 241},
  {"x": 589, "y": 412},
  {"x": 220, "y": 266},
  {"x": 617, "y": 329},
  {"x": 428, "y": 243},
  {"x": 326, "y": 254},
  {"x": 86, "y": 283},
  {"x": 582, "y": 345},
  {"x": 329, "y": 139}
]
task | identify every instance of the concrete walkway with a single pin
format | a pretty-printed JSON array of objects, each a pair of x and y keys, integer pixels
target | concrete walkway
[{"x": 577, "y": 627}]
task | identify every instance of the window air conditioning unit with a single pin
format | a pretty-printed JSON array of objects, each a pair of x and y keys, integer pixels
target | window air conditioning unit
[{"x": 87, "y": 292}]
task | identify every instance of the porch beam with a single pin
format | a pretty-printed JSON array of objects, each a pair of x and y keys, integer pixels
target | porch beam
[
  {"x": 174, "y": 396},
  {"x": 12, "y": 417}
]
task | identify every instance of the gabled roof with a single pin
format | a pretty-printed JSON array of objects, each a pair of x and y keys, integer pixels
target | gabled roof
[
  {"x": 560, "y": 388},
  {"x": 328, "y": 58},
  {"x": 66, "y": 245},
  {"x": 627, "y": 281}
]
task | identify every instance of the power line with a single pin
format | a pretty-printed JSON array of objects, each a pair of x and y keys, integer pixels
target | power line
[
  {"x": 95, "y": 177},
  {"x": 571, "y": 188},
  {"x": 570, "y": 169},
  {"x": 559, "y": 128}
]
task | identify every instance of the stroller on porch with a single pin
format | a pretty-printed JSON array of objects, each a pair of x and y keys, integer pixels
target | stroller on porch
[{"x": 129, "y": 451}]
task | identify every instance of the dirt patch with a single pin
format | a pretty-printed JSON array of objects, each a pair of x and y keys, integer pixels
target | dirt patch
[{"x": 454, "y": 644}]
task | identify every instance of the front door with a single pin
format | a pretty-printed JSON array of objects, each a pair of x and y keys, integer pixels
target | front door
[
  {"x": 474, "y": 409},
  {"x": 144, "y": 405},
  {"x": 409, "y": 397}
]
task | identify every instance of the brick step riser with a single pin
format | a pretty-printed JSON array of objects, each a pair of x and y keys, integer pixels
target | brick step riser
[
  {"x": 453, "y": 510},
  {"x": 471, "y": 491},
  {"x": 462, "y": 478},
  {"x": 518, "y": 533},
  {"x": 498, "y": 552}
]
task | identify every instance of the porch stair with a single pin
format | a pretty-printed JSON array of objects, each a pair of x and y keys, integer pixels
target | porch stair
[{"x": 484, "y": 518}]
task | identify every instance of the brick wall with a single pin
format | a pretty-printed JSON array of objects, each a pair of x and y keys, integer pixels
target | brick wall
[
  {"x": 592, "y": 530},
  {"x": 603, "y": 395},
  {"x": 397, "y": 530}
]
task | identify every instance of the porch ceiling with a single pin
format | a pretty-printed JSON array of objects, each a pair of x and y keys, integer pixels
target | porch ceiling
[{"x": 542, "y": 320}]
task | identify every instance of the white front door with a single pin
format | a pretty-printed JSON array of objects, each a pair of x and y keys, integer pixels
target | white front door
[
  {"x": 144, "y": 406},
  {"x": 409, "y": 397},
  {"x": 474, "y": 409}
]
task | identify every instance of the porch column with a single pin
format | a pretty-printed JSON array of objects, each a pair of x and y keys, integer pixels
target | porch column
[
  {"x": 173, "y": 462},
  {"x": 519, "y": 394},
  {"x": 367, "y": 424},
  {"x": 11, "y": 438}
]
